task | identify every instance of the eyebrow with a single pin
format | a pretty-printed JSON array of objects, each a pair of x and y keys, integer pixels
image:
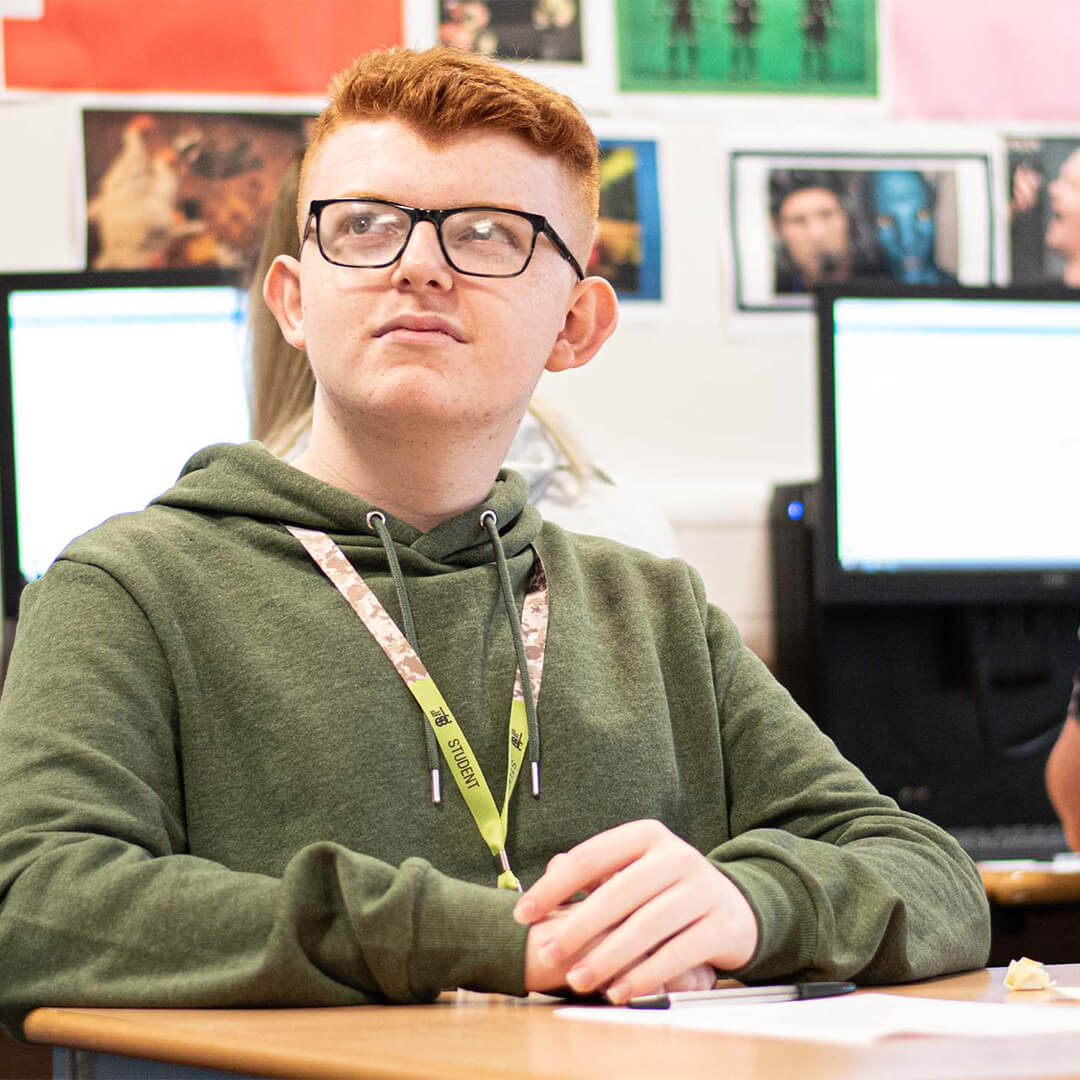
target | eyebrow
[
  {"x": 464, "y": 206},
  {"x": 363, "y": 195}
]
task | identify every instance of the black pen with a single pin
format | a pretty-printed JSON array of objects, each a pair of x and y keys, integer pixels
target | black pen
[{"x": 742, "y": 995}]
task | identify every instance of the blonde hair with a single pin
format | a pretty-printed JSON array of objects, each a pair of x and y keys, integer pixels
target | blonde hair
[
  {"x": 281, "y": 385},
  {"x": 442, "y": 93}
]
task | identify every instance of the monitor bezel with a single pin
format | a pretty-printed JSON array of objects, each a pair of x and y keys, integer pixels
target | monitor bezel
[
  {"x": 839, "y": 585},
  {"x": 43, "y": 281}
]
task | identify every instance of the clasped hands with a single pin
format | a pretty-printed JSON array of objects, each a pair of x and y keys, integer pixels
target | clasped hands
[{"x": 658, "y": 916}]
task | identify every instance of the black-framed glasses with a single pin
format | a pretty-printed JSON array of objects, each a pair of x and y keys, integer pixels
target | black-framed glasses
[{"x": 484, "y": 241}]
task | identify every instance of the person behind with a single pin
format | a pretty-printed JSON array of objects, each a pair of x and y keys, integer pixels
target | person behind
[
  {"x": 1063, "y": 770},
  {"x": 903, "y": 205},
  {"x": 564, "y": 484},
  {"x": 818, "y": 240},
  {"x": 222, "y": 760},
  {"x": 1063, "y": 233}
]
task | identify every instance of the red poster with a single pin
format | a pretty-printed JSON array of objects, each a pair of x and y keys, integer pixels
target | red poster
[{"x": 216, "y": 46}]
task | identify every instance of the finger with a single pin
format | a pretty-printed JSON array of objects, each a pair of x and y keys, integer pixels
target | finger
[
  {"x": 647, "y": 929},
  {"x": 583, "y": 866},
  {"x": 615, "y": 900},
  {"x": 677, "y": 955},
  {"x": 588, "y": 890},
  {"x": 699, "y": 977},
  {"x": 543, "y": 973}
]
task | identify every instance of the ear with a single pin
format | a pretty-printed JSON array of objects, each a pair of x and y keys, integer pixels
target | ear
[
  {"x": 281, "y": 291},
  {"x": 590, "y": 321}
]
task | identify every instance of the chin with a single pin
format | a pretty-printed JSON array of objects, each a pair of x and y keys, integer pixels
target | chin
[{"x": 430, "y": 404}]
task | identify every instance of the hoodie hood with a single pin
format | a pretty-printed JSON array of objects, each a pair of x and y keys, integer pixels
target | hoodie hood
[{"x": 248, "y": 480}]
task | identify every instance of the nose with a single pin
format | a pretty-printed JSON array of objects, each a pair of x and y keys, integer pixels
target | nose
[
  {"x": 422, "y": 264},
  {"x": 818, "y": 230},
  {"x": 905, "y": 226}
]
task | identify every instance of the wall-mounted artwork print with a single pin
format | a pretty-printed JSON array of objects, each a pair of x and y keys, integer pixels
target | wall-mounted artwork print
[
  {"x": 176, "y": 189},
  {"x": 800, "y": 220},
  {"x": 748, "y": 46},
  {"x": 194, "y": 46},
  {"x": 513, "y": 29},
  {"x": 628, "y": 247},
  {"x": 1044, "y": 210}
]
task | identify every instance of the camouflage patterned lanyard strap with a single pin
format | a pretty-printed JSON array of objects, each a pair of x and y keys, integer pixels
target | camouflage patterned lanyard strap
[{"x": 459, "y": 756}]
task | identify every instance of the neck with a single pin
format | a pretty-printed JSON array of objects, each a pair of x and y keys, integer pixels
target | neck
[
  {"x": 1072, "y": 273},
  {"x": 421, "y": 473}
]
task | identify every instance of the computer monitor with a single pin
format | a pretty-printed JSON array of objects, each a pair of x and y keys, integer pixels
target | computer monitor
[
  {"x": 949, "y": 445},
  {"x": 110, "y": 382}
]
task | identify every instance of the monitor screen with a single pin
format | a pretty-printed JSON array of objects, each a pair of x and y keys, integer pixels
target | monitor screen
[
  {"x": 950, "y": 444},
  {"x": 113, "y": 380}
]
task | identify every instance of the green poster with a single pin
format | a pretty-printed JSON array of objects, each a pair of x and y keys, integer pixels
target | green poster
[{"x": 748, "y": 46}]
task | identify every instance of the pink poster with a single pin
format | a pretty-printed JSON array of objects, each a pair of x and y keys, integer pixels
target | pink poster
[{"x": 987, "y": 59}]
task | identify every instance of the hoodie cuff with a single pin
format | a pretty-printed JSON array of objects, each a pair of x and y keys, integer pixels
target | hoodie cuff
[
  {"x": 465, "y": 935},
  {"x": 786, "y": 917}
]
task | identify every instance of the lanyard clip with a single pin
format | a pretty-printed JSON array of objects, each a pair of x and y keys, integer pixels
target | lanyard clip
[{"x": 507, "y": 879}]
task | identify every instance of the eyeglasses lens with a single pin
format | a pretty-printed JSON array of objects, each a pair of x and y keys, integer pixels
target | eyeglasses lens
[{"x": 356, "y": 233}]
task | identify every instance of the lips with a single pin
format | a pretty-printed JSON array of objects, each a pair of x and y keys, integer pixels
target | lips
[{"x": 432, "y": 324}]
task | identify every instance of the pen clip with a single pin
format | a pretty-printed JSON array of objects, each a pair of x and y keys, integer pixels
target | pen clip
[
  {"x": 650, "y": 1001},
  {"x": 810, "y": 990}
]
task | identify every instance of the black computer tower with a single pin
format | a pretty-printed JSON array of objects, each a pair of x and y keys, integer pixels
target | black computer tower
[{"x": 951, "y": 708}]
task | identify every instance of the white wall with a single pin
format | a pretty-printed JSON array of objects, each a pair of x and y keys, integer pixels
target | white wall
[{"x": 701, "y": 408}]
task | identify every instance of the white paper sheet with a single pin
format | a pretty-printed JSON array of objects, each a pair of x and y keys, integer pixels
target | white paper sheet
[{"x": 855, "y": 1020}]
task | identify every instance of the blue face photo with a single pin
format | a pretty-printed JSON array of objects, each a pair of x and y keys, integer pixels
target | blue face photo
[{"x": 903, "y": 205}]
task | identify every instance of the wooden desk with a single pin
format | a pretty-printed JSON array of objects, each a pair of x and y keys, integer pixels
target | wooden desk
[
  {"x": 1035, "y": 884},
  {"x": 1034, "y": 911},
  {"x": 483, "y": 1037}
]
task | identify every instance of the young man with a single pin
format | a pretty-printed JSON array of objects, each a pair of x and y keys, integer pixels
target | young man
[{"x": 222, "y": 761}]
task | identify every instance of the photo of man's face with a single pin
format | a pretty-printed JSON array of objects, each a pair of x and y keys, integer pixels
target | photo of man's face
[
  {"x": 1044, "y": 209},
  {"x": 813, "y": 228},
  {"x": 904, "y": 219},
  {"x": 1063, "y": 233},
  {"x": 804, "y": 221}
]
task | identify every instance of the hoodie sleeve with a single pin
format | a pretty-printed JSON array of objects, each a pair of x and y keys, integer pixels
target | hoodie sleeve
[
  {"x": 845, "y": 884},
  {"x": 100, "y": 903}
]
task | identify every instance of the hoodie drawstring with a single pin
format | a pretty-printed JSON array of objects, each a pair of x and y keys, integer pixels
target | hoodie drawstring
[
  {"x": 376, "y": 521},
  {"x": 489, "y": 520}
]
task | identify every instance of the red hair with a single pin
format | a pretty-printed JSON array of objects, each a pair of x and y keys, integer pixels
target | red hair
[{"x": 442, "y": 93}]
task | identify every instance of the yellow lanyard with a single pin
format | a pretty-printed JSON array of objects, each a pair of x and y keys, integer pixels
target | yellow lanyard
[{"x": 455, "y": 747}]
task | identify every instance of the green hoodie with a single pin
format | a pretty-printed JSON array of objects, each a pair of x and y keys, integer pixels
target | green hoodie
[{"x": 216, "y": 790}]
